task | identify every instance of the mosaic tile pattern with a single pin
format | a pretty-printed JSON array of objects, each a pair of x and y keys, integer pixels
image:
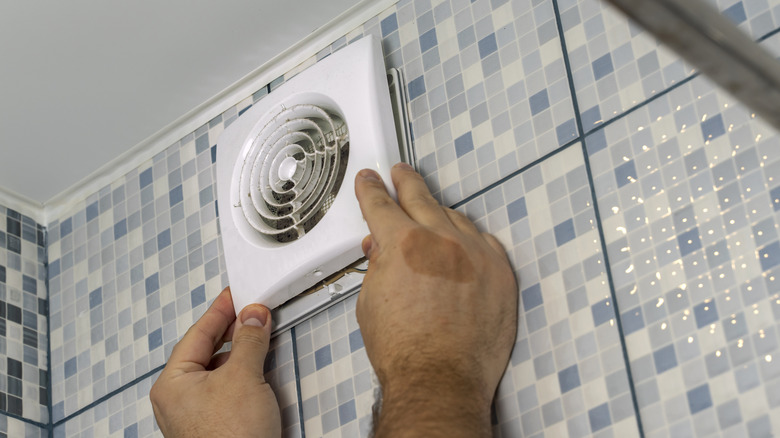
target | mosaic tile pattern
[
  {"x": 129, "y": 414},
  {"x": 23, "y": 317},
  {"x": 11, "y": 427},
  {"x": 689, "y": 194},
  {"x": 616, "y": 65}
]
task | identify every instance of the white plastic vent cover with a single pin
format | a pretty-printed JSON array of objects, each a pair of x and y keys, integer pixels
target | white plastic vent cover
[{"x": 286, "y": 170}]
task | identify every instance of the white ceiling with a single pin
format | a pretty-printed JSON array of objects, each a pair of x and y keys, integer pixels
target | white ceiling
[{"x": 83, "y": 81}]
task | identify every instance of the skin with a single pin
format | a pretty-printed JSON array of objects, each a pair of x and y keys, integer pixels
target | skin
[{"x": 438, "y": 315}]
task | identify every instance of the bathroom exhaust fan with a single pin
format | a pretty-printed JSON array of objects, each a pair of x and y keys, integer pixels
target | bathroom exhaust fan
[{"x": 285, "y": 173}]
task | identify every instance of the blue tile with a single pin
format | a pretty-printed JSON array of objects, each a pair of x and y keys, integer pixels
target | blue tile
[
  {"x": 632, "y": 321},
  {"x": 736, "y": 13},
  {"x": 416, "y": 88},
  {"x": 389, "y": 25},
  {"x": 466, "y": 37},
  {"x": 602, "y": 311},
  {"x": 591, "y": 117},
  {"x": 689, "y": 241},
  {"x": 464, "y": 144},
  {"x": 599, "y": 417},
  {"x": 92, "y": 211},
  {"x": 569, "y": 378},
  {"x": 95, "y": 298},
  {"x": 13, "y": 227},
  {"x": 487, "y": 45},
  {"x": 120, "y": 229},
  {"x": 596, "y": 142},
  {"x": 176, "y": 195},
  {"x": 70, "y": 367},
  {"x": 155, "y": 339},
  {"x": 145, "y": 178},
  {"x": 347, "y": 412},
  {"x": 29, "y": 284},
  {"x": 198, "y": 296},
  {"x": 2, "y": 274},
  {"x": 164, "y": 239},
  {"x": 54, "y": 268},
  {"x": 665, "y": 359},
  {"x": 355, "y": 341},
  {"x": 131, "y": 431},
  {"x": 602, "y": 66},
  {"x": 213, "y": 154},
  {"x": 152, "y": 284},
  {"x": 201, "y": 143},
  {"x": 532, "y": 297},
  {"x": 769, "y": 256},
  {"x": 322, "y": 357},
  {"x": 539, "y": 102},
  {"x": 516, "y": 210},
  {"x": 712, "y": 128},
  {"x": 699, "y": 398},
  {"x": 566, "y": 131},
  {"x": 66, "y": 227},
  {"x": 428, "y": 40},
  {"x": 564, "y": 232},
  {"x": 625, "y": 173},
  {"x": 706, "y": 313}
]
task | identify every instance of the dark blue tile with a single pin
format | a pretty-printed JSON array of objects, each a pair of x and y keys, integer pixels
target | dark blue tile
[
  {"x": 164, "y": 239},
  {"x": 155, "y": 339},
  {"x": 625, "y": 173},
  {"x": 201, "y": 143},
  {"x": 152, "y": 284},
  {"x": 206, "y": 196},
  {"x": 389, "y": 25},
  {"x": 93, "y": 211},
  {"x": 355, "y": 341},
  {"x": 95, "y": 298},
  {"x": 564, "y": 232},
  {"x": 487, "y": 45},
  {"x": 70, "y": 367},
  {"x": 569, "y": 378},
  {"x": 665, "y": 359},
  {"x": 176, "y": 195},
  {"x": 566, "y": 131},
  {"x": 120, "y": 229},
  {"x": 712, "y": 128},
  {"x": 416, "y": 88},
  {"x": 66, "y": 227},
  {"x": 240, "y": 112},
  {"x": 699, "y": 398},
  {"x": 705, "y": 313},
  {"x": 213, "y": 154},
  {"x": 532, "y": 297},
  {"x": 602, "y": 66},
  {"x": 2, "y": 274},
  {"x": 13, "y": 227},
  {"x": 596, "y": 142},
  {"x": 689, "y": 241},
  {"x": 54, "y": 268},
  {"x": 29, "y": 284},
  {"x": 322, "y": 357},
  {"x": 632, "y": 321},
  {"x": 131, "y": 431},
  {"x": 516, "y": 210},
  {"x": 464, "y": 144},
  {"x": 428, "y": 40},
  {"x": 198, "y": 296},
  {"x": 539, "y": 102},
  {"x": 591, "y": 118},
  {"x": 602, "y": 311},
  {"x": 347, "y": 412},
  {"x": 769, "y": 256},
  {"x": 736, "y": 13},
  {"x": 599, "y": 417},
  {"x": 145, "y": 178}
]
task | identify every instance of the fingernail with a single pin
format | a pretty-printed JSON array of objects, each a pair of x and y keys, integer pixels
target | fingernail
[
  {"x": 404, "y": 166},
  {"x": 369, "y": 174},
  {"x": 255, "y": 316}
]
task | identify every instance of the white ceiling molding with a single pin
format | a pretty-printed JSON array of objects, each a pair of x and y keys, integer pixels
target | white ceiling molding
[{"x": 69, "y": 198}]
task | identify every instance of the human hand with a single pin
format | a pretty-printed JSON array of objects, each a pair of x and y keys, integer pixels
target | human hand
[
  {"x": 200, "y": 394},
  {"x": 437, "y": 310}
]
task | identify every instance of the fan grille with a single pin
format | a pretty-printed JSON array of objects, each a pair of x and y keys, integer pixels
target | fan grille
[{"x": 293, "y": 171}]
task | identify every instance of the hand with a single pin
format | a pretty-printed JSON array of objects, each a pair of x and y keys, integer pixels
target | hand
[
  {"x": 200, "y": 394},
  {"x": 437, "y": 311}
]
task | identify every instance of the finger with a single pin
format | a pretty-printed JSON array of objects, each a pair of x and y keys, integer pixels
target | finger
[
  {"x": 381, "y": 212},
  {"x": 415, "y": 198},
  {"x": 194, "y": 350},
  {"x": 218, "y": 360},
  {"x": 461, "y": 222},
  {"x": 251, "y": 338}
]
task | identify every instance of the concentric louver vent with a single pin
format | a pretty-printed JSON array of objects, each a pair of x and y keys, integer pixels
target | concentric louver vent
[{"x": 293, "y": 170}]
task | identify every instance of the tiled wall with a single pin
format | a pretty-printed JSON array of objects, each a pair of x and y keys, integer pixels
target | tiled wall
[
  {"x": 24, "y": 343},
  {"x": 639, "y": 206}
]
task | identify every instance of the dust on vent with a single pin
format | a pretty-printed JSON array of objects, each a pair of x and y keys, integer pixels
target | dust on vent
[{"x": 298, "y": 161}]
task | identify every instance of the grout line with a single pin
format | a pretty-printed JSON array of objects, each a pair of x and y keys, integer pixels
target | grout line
[
  {"x": 23, "y": 419},
  {"x": 110, "y": 394},
  {"x": 297, "y": 381},
  {"x": 599, "y": 224}
]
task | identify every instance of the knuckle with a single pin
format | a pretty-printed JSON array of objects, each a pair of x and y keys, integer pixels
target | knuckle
[{"x": 250, "y": 338}]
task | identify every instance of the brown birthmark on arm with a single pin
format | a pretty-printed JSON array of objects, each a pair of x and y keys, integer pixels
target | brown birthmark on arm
[{"x": 430, "y": 254}]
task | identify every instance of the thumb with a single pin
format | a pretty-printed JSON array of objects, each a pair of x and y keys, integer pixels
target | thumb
[{"x": 251, "y": 336}]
